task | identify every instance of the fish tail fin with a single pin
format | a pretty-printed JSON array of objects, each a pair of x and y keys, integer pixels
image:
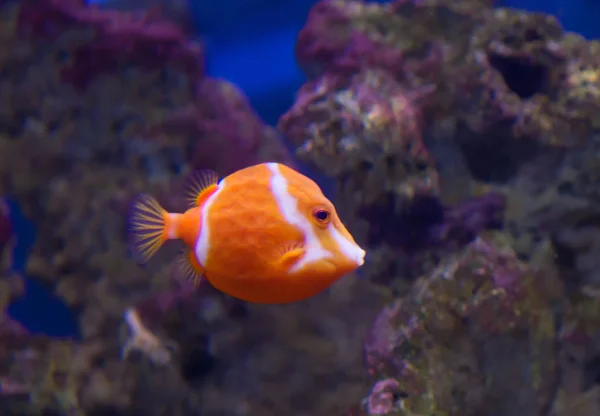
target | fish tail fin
[{"x": 150, "y": 226}]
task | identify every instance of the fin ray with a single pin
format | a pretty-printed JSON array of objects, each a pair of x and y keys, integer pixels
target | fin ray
[
  {"x": 290, "y": 254},
  {"x": 189, "y": 267},
  {"x": 197, "y": 182},
  {"x": 146, "y": 228}
]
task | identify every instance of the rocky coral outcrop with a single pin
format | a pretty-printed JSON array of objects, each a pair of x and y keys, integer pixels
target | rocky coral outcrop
[{"x": 459, "y": 104}]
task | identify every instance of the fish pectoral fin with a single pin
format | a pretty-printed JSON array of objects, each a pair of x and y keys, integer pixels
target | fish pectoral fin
[
  {"x": 189, "y": 267},
  {"x": 290, "y": 254},
  {"x": 147, "y": 228},
  {"x": 198, "y": 183}
]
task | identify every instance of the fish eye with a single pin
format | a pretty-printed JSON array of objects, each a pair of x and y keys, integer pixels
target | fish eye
[{"x": 322, "y": 215}]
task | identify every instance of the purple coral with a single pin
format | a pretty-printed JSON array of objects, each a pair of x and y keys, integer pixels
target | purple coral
[
  {"x": 382, "y": 397},
  {"x": 223, "y": 115},
  {"x": 339, "y": 123},
  {"x": 425, "y": 223},
  {"x": 336, "y": 41},
  {"x": 218, "y": 115},
  {"x": 461, "y": 224},
  {"x": 381, "y": 339},
  {"x": 92, "y": 151},
  {"x": 474, "y": 304},
  {"x": 143, "y": 38}
]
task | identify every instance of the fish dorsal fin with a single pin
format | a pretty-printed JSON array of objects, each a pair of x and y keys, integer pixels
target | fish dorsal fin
[
  {"x": 198, "y": 183},
  {"x": 188, "y": 267}
]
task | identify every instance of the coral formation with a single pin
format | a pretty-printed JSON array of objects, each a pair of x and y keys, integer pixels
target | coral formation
[
  {"x": 452, "y": 344},
  {"x": 438, "y": 120},
  {"x": 435, "y": 116},
  {"x": 99, "y": 106}
]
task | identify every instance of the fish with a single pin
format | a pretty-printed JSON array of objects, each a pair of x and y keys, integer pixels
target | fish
[{"x": 264, "y": 234}]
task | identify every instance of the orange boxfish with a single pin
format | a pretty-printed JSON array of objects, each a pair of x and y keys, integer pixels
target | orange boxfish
[{"x": 264, "y": 234}]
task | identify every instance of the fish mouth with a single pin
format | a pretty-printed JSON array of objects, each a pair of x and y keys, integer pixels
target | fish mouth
[
  {"x": 348, "y": 262},
  {"x": 357, "y": 256}
]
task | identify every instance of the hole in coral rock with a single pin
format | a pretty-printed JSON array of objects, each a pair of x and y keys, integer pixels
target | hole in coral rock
[
  {"x": 565, "y": 259},
  {"x": 566, "y": 188},
  {"x": 399, "y": 395},
  {"x": 365, "y": 166},
  {"x": 408, "y": 229},
  {"x": 497, "y": 159},
  {"x": 532, "y": 35},
  {"x": 564, "y": 256},
  {"x": 510, "y": 40},
  {"x": 197, "y": 362},
  {"x": 390, "y": 163},
  {"x": 592, "y": 372},
  {"x": 523, "y": 77}
]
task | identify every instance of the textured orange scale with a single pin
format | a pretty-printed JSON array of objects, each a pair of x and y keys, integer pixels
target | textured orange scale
[{"x": 247, "y": 236}]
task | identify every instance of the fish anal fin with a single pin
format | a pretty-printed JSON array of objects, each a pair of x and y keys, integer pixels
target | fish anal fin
[
  {"x": 198, "y": 184},
  {"x": 189, "y": 268},
  {"x": 290, "y": 254}
]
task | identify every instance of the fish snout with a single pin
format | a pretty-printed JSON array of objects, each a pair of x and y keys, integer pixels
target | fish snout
[
  {"x": 354, "y": 257},
  {"x": 352, "y": 253},
  {"x": 359, "y": 256}
]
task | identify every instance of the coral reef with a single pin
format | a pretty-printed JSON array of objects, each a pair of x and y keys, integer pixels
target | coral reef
[
  {"x": 503, "y": 78},
  {"x": 480, "y": 328},
  {"x": 435, "y": 116},
  {"x": 438, "y": 121},
  {"x": 99, "y": 106}
]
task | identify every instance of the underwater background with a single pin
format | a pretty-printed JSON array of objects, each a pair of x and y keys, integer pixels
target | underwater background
[{"x": 458, "y": 138}]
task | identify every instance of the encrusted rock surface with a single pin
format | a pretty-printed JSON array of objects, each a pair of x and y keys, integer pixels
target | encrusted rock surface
[{"x": 431, "y": 113}]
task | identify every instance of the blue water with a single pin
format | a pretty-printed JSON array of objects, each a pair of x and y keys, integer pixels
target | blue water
[
  {"x": 254, "y": 50},
  {"x": 38, "y": 310}
]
